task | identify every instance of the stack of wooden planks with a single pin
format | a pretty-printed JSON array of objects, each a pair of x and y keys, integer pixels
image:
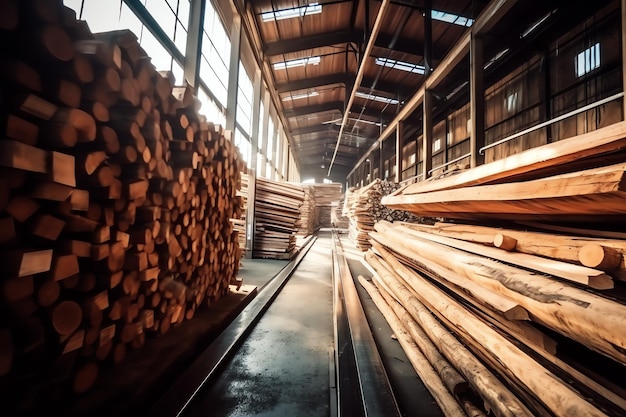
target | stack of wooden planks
[
  {"x": 277, "y": 209},
  {"x": 337, "y": 218},
  {"x": 115, "y": 200},
  {"x": 308, "y": 223},
  {"x": 327, "y": 197},
  {"x": 526, "y": 301},
  {"x": 363, "y": 208}
]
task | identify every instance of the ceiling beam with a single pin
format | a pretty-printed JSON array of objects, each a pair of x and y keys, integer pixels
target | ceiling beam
[
  {"x": 330, "y": 128},
  {"x": 314, "y": 82},
  {"x": 404, "y": 45},
  {"x": 304, "y": 43},
  {"x": 315, "y": 108}
]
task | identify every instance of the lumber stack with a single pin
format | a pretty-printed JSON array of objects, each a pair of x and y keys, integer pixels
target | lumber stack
[
  {"x": 308, "y": 223},
  {"x": 337, "y": 218},
  {"x": 326, "y": 198},
  {"x": 115, "y": 200},
  {"x": 363, "y": 207},
  {"x": 551, "y": 332},
  {"x": 277, "y": 210}
]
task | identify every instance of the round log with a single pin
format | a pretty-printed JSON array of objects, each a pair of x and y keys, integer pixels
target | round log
[
  {"x": 600, "y": 257},
  {"x": 504, "y": 242},
  {"x": 85, "y": 377},
  {"x": 66, "y": 317}
]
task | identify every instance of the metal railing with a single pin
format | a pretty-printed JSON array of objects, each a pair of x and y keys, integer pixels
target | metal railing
[{"x": 551, "y": 121}]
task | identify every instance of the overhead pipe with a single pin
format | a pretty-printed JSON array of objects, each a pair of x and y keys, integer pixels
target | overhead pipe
[{"x": 359, "y": 75}]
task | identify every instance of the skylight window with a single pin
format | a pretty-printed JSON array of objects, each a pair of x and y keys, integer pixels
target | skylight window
[
  {"x": 377, "y": 98},
  {"x": 314, "y": 60},
  {"x": 587, "y": 60},
  {"x": 401, "y": 65},
  {"x": 451, "y": 18},
  {"x": 299, "y": 96},
  {"x": 313, "y": 8}
]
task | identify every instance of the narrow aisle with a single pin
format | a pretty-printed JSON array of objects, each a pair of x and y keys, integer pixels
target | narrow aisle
[{"x": 282, "y": 369}]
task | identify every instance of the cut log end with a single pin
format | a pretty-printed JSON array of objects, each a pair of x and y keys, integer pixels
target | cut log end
[
  {"x": 85, "y": 377},
  {"x": 504, "y": 242},
  {"x": 600, "y": 257}
]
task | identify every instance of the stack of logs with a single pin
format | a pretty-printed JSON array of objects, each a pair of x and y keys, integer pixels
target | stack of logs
[
  {"x": 115, "y": 199},
  {"x": 363, "y": 208},
  {"x": 308, "y": 223},
  {"x": 529, "y": 314},
  {"x": 277, "y": 209}
]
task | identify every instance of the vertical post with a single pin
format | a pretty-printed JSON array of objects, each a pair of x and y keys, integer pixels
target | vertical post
[
  {"x": 544, "y": 93},
  {"x": 266, "y": 118},
  {"x": 399, "y": 140},
  {"x": 277, "y": 133},
  {"x": 233, "y": 73},
  {"x": 193, "y": 52},
  {"x": 477, "y": 101},
  {"x": 250, "y": 217},
  {"x": 427, "y": 136},
  {"x": 624, "y": 56},
  {"x": 381, "y": 161},
  {"x": 428, "y": 38}
]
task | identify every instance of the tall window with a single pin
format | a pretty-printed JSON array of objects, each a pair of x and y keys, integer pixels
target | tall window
[
  {"x": 244, "y": 100},
  {"x": 104, "y": 17},
  {"x": 270, "y": 140},
  {"x": 210, "y": 109},
  {"x": 244, "y": 145},
  {"x": 587, "y": 60},
  {"x": 214, "y": 65}
]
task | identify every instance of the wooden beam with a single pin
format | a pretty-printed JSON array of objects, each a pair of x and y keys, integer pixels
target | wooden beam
[{"x": 427, "y": 135}]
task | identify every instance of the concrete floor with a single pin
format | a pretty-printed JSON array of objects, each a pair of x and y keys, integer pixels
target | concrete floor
[
  {"x": 282, "y": 369},
  {"x": 258, "y": 271}
]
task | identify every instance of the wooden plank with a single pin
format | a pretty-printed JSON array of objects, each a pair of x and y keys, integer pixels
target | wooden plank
[
  {"x": 533, "y": 161},
  {"x": 21, "y": 263},
  {"x": 14, "y": 154}
]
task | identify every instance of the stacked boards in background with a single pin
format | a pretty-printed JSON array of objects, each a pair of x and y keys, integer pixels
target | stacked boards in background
[
  {"x": 115, "y": 200},
  {"x": 308, "y": 223},
  {"x": 277, "y": 210},
  {"x": 363, "y": 208},
  {"x": 327, "y": 197}
]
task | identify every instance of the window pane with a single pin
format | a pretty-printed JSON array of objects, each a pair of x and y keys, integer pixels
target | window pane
[
  {"x": 103, "y": 16},
  {"x": 165, "y": 17}
]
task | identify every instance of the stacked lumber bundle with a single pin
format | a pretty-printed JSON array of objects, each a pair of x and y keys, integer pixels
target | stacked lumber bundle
[
  {"x": 239, "y": 223},
  {"x": 552, "y": 332},
  {"x": 539, "y": 299},
  {"x": 115, "y": 199},
  {"x": 277, "y": 209},
  {"x": 363, "y": 208},
  {"x": 308, "y": 223},
  {"x": 337, "y": 218},
  {"x": 326, "y": 198}
]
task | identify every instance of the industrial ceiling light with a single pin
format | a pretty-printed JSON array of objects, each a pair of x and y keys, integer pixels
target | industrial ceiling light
[
  {"x": 299, "y": 96},
  {"x": 381, "y": 99},
  {"x": 451, "y": 18},
  {"x": 313, "y": 60},
  {"x": 401, "y": 65},
  {"x": 313, "y": 8},
  {"x": 535, "y": 25},
  {"x": 496, "y": 57}
]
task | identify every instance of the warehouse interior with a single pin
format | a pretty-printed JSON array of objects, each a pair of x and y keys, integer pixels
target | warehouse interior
[{"x": 292, "y": 208}]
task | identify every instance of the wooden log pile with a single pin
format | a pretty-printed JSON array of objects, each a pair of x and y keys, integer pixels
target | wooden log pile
[
  {"x": 308, "y": 223},
  {"x": 337, "y": 217},
  {"x": 277, "y": 209},
  {"x": 115, "y": 200},
  {"x": 363, "y": 208},
  {"x": 532, "y": 289}
]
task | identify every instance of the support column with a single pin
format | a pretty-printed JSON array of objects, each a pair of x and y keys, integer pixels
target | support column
[
  {"x": 624, "y": 56},
  {"x": 233, "y": 73},
  {"x": 428, "y": 38},
  {"x": 544, "y": 94},
  {"x": 427, "y": 136},
  {"x": 193, "y": 53},
  {"x": 399, "y": 141},
  {"x": 381, "y": 161},
  {"x": 266, "y": 118},
  {"x": 250, "y": 217},
  {"x": 477, "y": 101}
]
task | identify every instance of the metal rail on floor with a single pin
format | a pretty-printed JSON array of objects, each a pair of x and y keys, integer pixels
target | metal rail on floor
[
  {"x": 354, "y": 343},
  {"x": 209, "y": 363}
]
